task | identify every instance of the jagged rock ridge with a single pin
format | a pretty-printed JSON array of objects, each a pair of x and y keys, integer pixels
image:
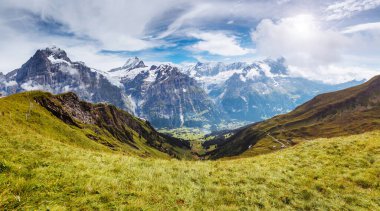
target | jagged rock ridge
[
  {"x": 207, "y": 95},
  {"x": 121, "y": 125},
  {"x": 51, "y": 70}
]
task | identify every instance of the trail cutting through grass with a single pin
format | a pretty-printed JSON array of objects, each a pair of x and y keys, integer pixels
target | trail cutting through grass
[{"x": 276, "y": 140}]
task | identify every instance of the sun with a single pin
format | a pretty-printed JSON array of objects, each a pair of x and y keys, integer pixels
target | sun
[{"x": 303, "y": 25}]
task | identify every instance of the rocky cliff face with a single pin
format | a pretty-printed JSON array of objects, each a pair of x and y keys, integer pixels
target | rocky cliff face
[
  {"x": 2, "y": 84},
  {"x": 350, "y": 111},
  {"x": 51, "y": 70},
  {"x": 132, "y": 63},
  {"x": 208, "y": 95},
  {"x": 162, "y": 95},
  {"x": 169, "y": 98},
  {"x": 212, "y": 68},
  {"x": 123, "y": 126},
  {"x": 257, "y": 91}
]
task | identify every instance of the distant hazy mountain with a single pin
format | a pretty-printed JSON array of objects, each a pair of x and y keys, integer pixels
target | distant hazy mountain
[
  {"x": 132, "y": 63},
  {"x": 208, "y": 95},
  {"x": 256, "y": 91},
  {"x": 350, "y": 111}
]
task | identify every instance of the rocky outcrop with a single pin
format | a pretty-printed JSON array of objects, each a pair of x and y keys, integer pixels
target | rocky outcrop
[
  {"x": 252, "y": 92},
  {"x": 121, "y": 125},
  {"x": 350, "y": 111},
  {"x": 51, "y": 70},
  {"x": 132, "y": 63},
  {"x": 198, "y": 95},
  {"x": 2, "y": 83},
  {"x": 169, "y": 98}
]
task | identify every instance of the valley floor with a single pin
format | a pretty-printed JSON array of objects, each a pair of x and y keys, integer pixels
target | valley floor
[{"x": 38, "y": 172}]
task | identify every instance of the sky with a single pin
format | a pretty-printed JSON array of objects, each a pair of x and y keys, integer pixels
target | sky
[{"x": 329, "y": 40}]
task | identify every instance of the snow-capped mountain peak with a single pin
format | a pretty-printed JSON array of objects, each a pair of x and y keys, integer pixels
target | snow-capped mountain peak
[
  {"x": 169, "y": 95},
  {"x": 277, "y": 66},
  {"x": 133, "y": 67},
  {"x": 53, "y": 49},
  {"x": 55, "y": 53},
  {"x": 130, "y": 64},
  {"x": 51, "y": 70},
  {"x": 134, "y": 63}
]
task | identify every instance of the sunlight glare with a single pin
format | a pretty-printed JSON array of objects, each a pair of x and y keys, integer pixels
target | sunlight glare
[{"x": 303, "y": 25}]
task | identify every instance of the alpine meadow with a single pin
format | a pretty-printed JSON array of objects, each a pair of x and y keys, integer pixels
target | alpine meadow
[{"x": 189, "y": 105}]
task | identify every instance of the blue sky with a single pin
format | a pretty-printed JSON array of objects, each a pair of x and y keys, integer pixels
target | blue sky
[{"x": 328, "y": 40}]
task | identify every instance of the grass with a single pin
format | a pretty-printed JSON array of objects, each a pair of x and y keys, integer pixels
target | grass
[
  {"x": 45, "y": 164},
  {"x": 20, "y": 115},
  {"x": 191, "y": 134},
  {"x": 195, "y": 136},
  {"x": 346, "y": 112},
  {"x": 42, "y": 173}
]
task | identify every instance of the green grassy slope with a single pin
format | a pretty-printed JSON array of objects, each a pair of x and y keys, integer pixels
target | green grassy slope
[
  {"x": 40, "y": 171},
  {"x": 21, "y": 115},
  {"x": 350, "y": 111}
]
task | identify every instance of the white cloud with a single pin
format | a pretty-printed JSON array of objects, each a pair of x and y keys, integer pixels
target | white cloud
[
  {"x": 362, "y": 27},
  {"x": 318, "y": 53},
  {"x": 119, "y": 25},
  {"x": 334, "y": 74},
  {"x": 299, "y": 39},
  {"x": 140, "y": 25},
  {"x": 218, "y": 43},
  {"x": 204, "y": 12},
  {"x": 348, "y": 8},
  {"x": 92, "y": 58},
  {"x": 17, "y": 48},
  {"x": 94, "y": 25},
  {"x": 191, "y": 14},
  {"x": 364, "y": 41}
]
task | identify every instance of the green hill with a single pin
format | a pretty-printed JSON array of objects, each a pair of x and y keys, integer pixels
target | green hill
[
  {"x": 54, "y": 155},
  {"x": 351, "y": 111},
  {"x": 92, "y": 126},
  {"x": 46, "y": 172}
]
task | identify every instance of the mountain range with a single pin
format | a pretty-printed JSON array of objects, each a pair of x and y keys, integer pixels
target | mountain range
[
  {"x": 350, "y": 111},
  {"x": 57, "y": 152},
  {"x": 211, "y": 96},
  {"x": 58, "y": 147}
]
